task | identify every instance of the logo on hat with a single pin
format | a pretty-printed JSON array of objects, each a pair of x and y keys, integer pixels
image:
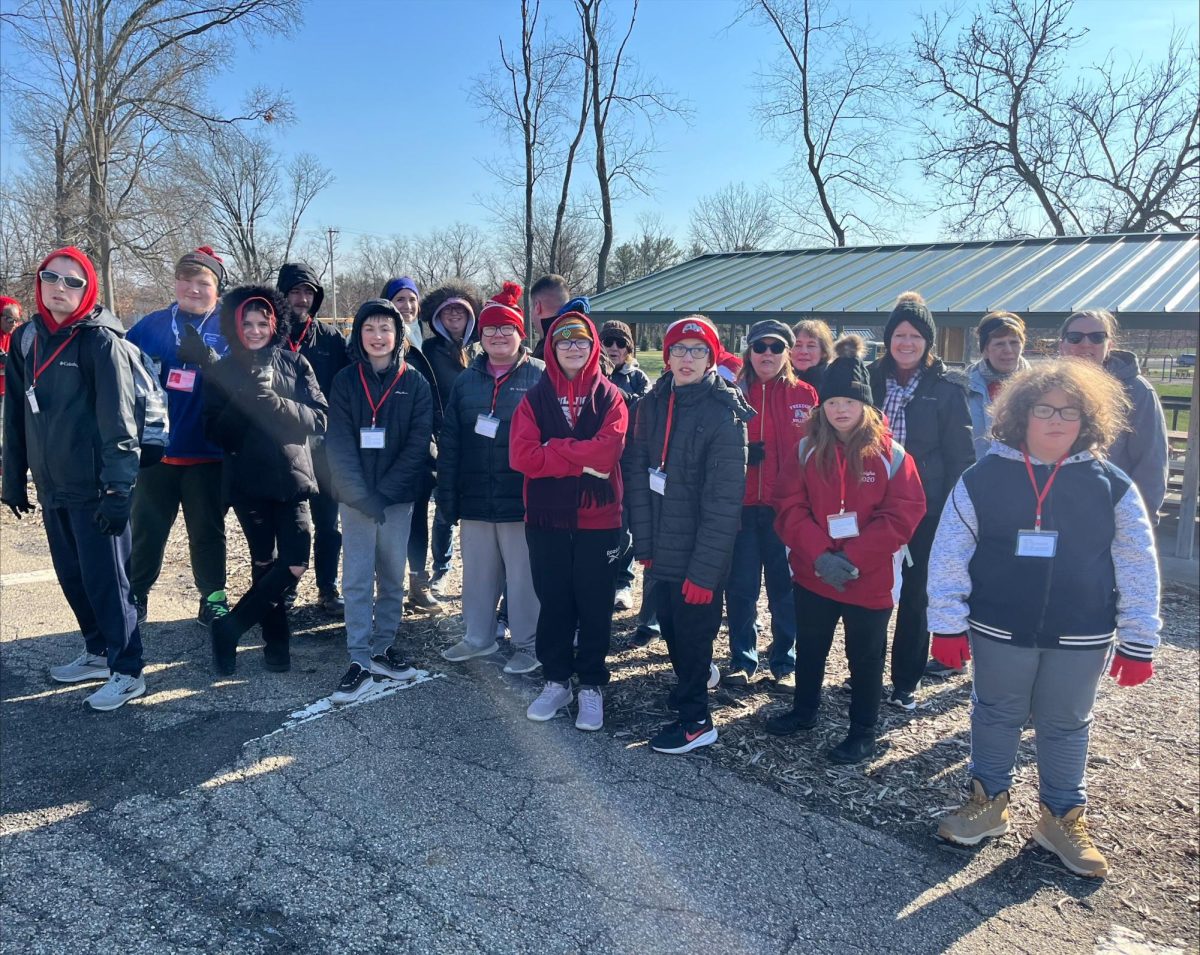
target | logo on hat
[{"x": 693, "y": 327}]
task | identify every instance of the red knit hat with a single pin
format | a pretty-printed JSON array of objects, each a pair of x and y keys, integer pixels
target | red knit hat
[
  {"x": 694, "y": 326},
  {"x": 504, "y": 308},
  {"x": 90, "y": 291}
]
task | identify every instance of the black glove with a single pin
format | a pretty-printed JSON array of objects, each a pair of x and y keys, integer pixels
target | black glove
[
  {"x": 835, "y": 570},
  {"x": 374, "y": 506},
  {"x": 192, "y": 349},
  {"x": 112, "y": 516},
  {"x": 19, "y": 504},
  {"x": 755, "y": 452}
]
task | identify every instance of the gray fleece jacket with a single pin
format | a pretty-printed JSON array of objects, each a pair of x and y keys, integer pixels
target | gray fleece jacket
[{"x": 1141, "y": 450}]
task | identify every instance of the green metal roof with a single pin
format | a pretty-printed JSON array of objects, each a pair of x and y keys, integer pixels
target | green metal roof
[{"x": 1148, "y": 280}]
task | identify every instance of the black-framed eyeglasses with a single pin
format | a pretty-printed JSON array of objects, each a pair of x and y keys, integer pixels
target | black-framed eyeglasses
[
  {"x": 615, "y": 343},
  {"x": 501, "y": 331},
  {"x": 1046, "y": 412},
  {"x": 70, "y": 281},
  {"x": 573, "y": 344},
  {"x": 775, "y": 347},
  {"x": 689, "y": 351},
  {"x": 1096, "y": 338}
]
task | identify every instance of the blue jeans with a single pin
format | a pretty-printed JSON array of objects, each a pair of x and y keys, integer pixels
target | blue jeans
[
  {"x": 759, "y": 553},
  {"x": 421, "y": 542}
]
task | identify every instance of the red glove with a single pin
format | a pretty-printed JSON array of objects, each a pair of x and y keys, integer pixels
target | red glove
[
  {"x": 696, "y": 595},
  {"x": 1130, "y": 671},
  {"x": 646, "y": 563},
  {"x": 951, "y": 649}
]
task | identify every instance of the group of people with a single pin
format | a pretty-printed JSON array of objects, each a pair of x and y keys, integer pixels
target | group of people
[{"x": 1006, "y": 513}]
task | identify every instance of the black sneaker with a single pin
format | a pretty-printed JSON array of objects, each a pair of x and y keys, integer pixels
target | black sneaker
[
  {"x": 855, "y": 748},
  {"x": 644, "y": 637},
  {"x": 356, "y": 684},
  {"x": 142, "y": 606},
  {"x": 791, "y": 721},
  {"x": 211, "y": 607},
  {"x": 391, "y": 665},
  {"x": 683, "y": 737},
  {"x": 904, "y": 700},
  {"x": 936, "y": 668}
]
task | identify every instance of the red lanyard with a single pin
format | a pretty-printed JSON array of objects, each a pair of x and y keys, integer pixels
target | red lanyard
[
  {"x": 841, "y": 463},
  {"x": 667, "y": 435},
  {"x": 496, "y": 387},
  {"x": 295, "y": 346},
  {"x": 1041, "y": 495},
  {"x": 375, "y": 406},
  {"x": 38, "y": 369}
]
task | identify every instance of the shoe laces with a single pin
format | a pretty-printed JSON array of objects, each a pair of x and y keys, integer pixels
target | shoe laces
[{"x": 1076, "y": 832}]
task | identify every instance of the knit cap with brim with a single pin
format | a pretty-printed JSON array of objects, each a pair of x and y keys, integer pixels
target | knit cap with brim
[
  {"x": 694, "y": 326},
  {"x": 911, "y": 308},
  {"x": 770, "y": 328},
  {"x": 571, "y": 325},
  {"x": 846, "y": 376}
]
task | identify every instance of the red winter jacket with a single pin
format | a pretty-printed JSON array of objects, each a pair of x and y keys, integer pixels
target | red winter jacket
[
  {"x": 780, "y": 422},
  {"x": 889, "y": 510},
  {"x": 567, "y": 457}
]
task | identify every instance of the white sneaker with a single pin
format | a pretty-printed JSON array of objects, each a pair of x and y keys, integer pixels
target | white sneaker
[
  {"x": 554, "y": 697},
  {"x": 521, "y": 662},
  {"x": 119, "y": 690},
  {"x": 86, "y": 666},
  {"x": 464, "y": 651},
  {"x": 714, "y": 676},
  {"x": 623, "y": 599},
  {"x": 591, "y": 709}
]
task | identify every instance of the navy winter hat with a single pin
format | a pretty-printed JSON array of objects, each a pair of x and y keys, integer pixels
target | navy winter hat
[
  {"x": 395, "y": 285},
  {"x": 770, "y": 328}
]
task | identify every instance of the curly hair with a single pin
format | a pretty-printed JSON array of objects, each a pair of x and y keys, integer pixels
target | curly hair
[
  {"x": 1100, "y": 396},
  {"x": 817, "y": 329}
]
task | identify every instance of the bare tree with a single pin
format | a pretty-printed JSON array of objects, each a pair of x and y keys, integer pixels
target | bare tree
[
  {"x": 838, "y": 96},
  {"x": 306, "y": 179},
  {"x": 137, "y": 70},
  {"x": 735, "y": 219},
  {"x": 652, "y": 250}
]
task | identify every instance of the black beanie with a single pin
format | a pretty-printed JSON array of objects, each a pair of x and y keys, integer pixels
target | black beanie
[
  {"x": 206, "y": 258},
  {"x": 770, "y": 328},
  {"x": 846, "y": 376},
  {"x": 911, "y": 308}
]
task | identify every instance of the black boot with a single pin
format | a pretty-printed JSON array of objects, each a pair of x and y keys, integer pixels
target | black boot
[
  {"x": 265, "y": 593},
  {"x": 793, "y": 721},
  {"x": 277, "y": 636},
  {"x": 857, "y": 747}
]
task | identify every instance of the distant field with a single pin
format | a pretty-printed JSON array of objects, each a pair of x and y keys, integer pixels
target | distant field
[
  {"x": 1177, "y": 389},
  {"x": 651, "y": 362}
]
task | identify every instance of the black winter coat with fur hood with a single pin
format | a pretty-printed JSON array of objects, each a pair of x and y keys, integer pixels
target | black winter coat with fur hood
[
  {"x": 262, "y": 407},
  {"x": 448, "y": 358}
]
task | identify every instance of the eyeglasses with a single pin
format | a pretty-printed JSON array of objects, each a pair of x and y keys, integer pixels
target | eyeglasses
[
  {"x": 1096, "y": 338},
  {"x": 775, "y": 347},
  {"x": 615, "y": 343},
  {"x": 573, "y": 344},
  {"x": 503, "y": 331},
  {"x": 70, "y": 281},
  {"x": 1046, "y": 412},
  {"x": 689, "y": 351}
]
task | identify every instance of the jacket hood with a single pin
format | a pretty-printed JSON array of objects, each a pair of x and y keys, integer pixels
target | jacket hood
[
  {"x": 232, "y": 300},
  {"x": 1122, "y": 365},
  {"x": 442, "y": 294},
  {"x": 374, "y": 306},
  {"x": 292, "y": 274},
  {"x": 100, "y": 317},
  {"x": 1002, "y": 450}
]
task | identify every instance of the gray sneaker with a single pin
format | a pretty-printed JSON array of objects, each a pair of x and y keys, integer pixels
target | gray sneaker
[
  {"x": 553, "y": 698},
  {"x": 521, "y": 662},
  {"x": 464, "y": 651},
  {"x": 119, "y": 690},
  {"x": 591, "y": 709},
  {"x": 86, "y": 666}
]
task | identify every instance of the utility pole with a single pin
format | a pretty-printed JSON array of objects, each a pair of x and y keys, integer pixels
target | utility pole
[{"x": 332, "y": 277}]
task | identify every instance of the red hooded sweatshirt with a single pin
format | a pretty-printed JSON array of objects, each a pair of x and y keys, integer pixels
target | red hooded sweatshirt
[
  {"x": 556, "y": 457},
  {"x": 90, "y": 292},
  {"x": 782, "y": 420},
  {"x": 888, "y": 509}
]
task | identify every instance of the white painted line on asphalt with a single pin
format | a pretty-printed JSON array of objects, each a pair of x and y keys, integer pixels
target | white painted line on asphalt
[
  {"x": 29, "y": 577},
  {"x": 323, "y": 707}
]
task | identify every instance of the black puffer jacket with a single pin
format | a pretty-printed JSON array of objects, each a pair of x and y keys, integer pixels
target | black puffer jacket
[
  {"x": 397, "y": 471},
  {"x": 689, "y": 531},
  {"x": 84, "y": 437},
  {"x": 937, "y": 430},
  {"x": 475, "y": 480},
  {"x": 632, "y": 381},
  {"x": 262, "y": 408}
]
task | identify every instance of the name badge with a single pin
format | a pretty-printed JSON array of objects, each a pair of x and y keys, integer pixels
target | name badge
[
  {"x": 32, "y": 396},
  {"x": 658, "y": 481},
  {"x": 843, "y": 525},
  {"x": 1037, "y": 543},
  {"x": 181, "y": 379},
  {"x": 487, "y": 425},
  {"x": 371, "y": 438}
]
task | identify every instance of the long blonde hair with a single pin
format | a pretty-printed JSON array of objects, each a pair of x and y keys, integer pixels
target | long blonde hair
[{"x": 866, "y": 440}]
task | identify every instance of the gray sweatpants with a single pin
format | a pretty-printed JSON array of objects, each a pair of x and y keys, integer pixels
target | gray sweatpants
[
  {"x": 1056, "y": 687},
  {"x": 495, "y": 560},
  {"x": 373, "y": 557}
]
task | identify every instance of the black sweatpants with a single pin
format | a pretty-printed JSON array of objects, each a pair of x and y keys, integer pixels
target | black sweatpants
[
  {"x": 574, "y": 582},
  {"x": 910, "y": 643},
  {"x": 157, "y": 497},
  {"x": 866, "y": 644},
  {"x": 689, "y": 630}
]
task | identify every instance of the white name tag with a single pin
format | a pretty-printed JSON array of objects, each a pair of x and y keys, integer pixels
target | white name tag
[
  {"x": 487, "y": 425},
  {"x": 1037, "y": 543},
  {"x": 658, "y": 481},
  {"x": 371, "y": 438},
  {"x": 843, "y": 525},
  {"x": 32, "y": 396},
  {"x": 181, "y": 379}
]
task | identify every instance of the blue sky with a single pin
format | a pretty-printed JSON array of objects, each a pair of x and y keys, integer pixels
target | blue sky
[{"x": 381, "y": 92}]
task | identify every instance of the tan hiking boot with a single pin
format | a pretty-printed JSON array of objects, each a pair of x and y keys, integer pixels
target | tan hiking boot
[
  {"x": 977, "y": 819},
  {"x": 1067, "y": 837}
]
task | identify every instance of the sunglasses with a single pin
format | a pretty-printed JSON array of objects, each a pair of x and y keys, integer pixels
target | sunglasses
[
  {"x": 775, "y": 347},
  {"x": 615, "y": 343},
  {"x": 1046, "y": 412},
  {"x": 1096, "y": 338},
  {"x": 70, "y": 281}
]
